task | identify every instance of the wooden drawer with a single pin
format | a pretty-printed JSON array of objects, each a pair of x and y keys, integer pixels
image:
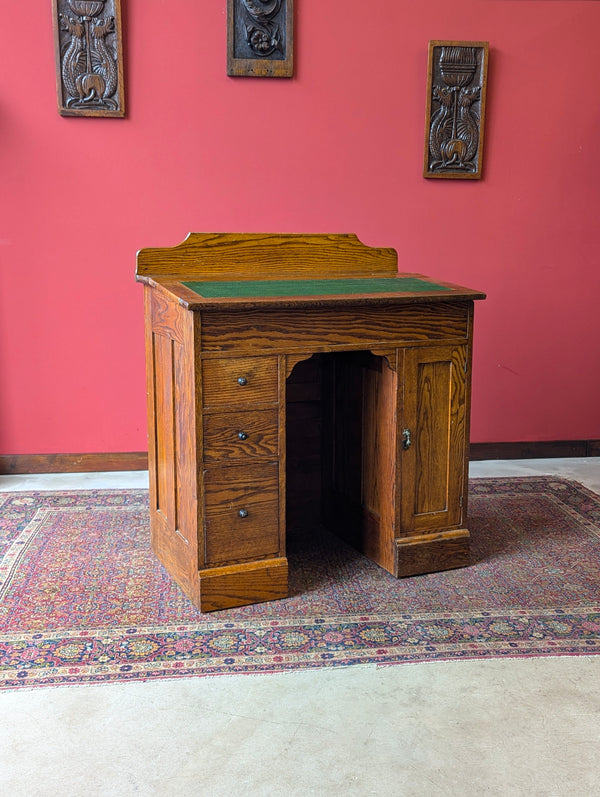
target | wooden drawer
[
  {"x": 330, "y": 328},
  {"x": 231, "y": 435},
  {"x": 239, "y": 380},
  {"x": 241, "y": 513}
]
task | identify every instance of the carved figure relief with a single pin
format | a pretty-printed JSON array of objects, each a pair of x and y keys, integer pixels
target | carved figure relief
[
  {"x": 259, "y": 38},
  {"x": 89, "y": 60},
  {"x": 456, "y": 87},
  {"x": 263, "y": 34}
]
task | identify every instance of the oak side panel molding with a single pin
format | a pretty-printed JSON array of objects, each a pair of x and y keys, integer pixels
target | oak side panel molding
[
  {"x": 260, "y": 38},
  {"x": 89, "y": 57},
  {"x": 455, "y": 113}
]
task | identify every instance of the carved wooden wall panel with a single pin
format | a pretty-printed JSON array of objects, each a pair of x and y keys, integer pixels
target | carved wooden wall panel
[
  {"x": 89, "y": 57},
  {"x": 456, "y": 88},
  {"x": 260, "y": 38}
]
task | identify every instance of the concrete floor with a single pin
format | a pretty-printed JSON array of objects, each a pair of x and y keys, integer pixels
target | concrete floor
[{"x": 511, "y": 727}]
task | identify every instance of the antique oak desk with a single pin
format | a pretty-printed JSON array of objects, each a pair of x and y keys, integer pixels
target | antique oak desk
[{"x": 228, "y": 318}]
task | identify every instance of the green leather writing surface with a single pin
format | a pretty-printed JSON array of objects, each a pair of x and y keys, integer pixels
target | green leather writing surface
[{"x": 311, "y": 287}]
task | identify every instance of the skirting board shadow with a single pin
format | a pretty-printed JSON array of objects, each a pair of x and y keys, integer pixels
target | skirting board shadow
[{"x": 138, "y": 460}]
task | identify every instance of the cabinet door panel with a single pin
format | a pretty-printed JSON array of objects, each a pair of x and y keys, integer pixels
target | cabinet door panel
[{"x": 433, "y": 437}]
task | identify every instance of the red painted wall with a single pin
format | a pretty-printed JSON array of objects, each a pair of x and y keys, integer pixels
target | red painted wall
[{"x": 336, "y": 149}]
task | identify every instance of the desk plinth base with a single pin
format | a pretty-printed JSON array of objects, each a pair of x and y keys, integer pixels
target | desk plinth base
[
  {"x": 429, "y": 553},
  {"x": 267, "y": 580},
  {"x": 412, "y": 554},
  {"x": 257, "y": 582},
  {"x": 241, "y": 585},
  {"x": 236, "y": 585}
]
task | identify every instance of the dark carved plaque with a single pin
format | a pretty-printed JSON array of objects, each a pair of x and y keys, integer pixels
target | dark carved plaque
[
  {"x": 456, "y": 86},
  {"x": 260, "y": 38},
  {"x": 89, "y": 57}
]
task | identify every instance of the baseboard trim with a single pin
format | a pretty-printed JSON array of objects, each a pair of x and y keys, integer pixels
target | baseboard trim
[
  {"x": 73, "y": 463},
  {"x": 138, "y": 460},
  {"x": 545, "y": 449}
]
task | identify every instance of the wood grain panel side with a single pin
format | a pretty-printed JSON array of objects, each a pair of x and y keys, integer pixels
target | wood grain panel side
[
  {"x": 174, "y": 552},
  {"x": 165, "y": 477},
  {"x": 187, "y": 429},
  {"x": 166, "y": 317},
  {"x": 379, "y": 456},
  {"x": 172, "y": 438},
  {"x": 150, "y": 396}
]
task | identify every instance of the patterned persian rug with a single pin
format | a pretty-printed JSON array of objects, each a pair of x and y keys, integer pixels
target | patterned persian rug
[{"x": 83, "y": 599}]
